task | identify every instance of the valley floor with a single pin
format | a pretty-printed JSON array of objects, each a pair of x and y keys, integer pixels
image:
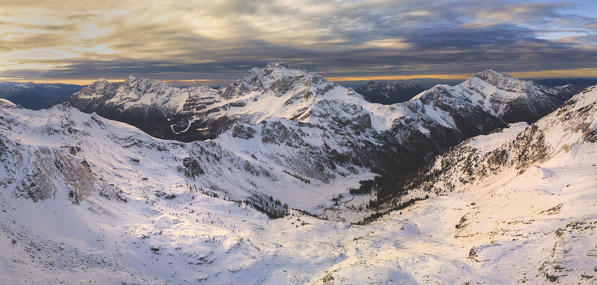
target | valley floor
[{"x": 536, "y": 227}]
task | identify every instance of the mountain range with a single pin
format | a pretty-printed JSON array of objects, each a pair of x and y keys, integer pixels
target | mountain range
[
  {"x": 328, "y": 131},
  {"x": 37, "y": 95},
  {"x": 284, "y": 177}
]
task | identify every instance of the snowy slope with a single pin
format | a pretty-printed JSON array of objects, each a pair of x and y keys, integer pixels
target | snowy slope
[
  {"x": 555, "y": 136},
  {"x": 527, "y": 218},
  {"x": 6, "y": 103},
  {"x": 74, "y": 146}
]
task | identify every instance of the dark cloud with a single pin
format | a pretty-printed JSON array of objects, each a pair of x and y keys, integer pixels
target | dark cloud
[{"x": 221, "y": 39}]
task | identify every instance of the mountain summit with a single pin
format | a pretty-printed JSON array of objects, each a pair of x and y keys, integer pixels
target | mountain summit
[{"x": 274, "y": 79}]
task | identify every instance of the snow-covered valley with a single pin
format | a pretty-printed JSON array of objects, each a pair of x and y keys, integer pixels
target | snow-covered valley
[
  {"x": 89, "y": 200},
  {"x": 517, "y": 231}
]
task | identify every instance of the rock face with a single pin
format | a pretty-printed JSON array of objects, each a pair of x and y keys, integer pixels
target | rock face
[{"x": 388, "y": 93}]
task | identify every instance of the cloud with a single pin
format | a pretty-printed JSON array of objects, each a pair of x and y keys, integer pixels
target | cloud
[{"x": 219, "y": 40}]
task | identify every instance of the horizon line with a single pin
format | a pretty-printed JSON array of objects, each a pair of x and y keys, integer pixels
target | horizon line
[{"x": 528, "y": 75}]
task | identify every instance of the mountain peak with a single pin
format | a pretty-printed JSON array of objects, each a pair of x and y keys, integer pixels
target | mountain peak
[
  {"x": 272, "y": 65},
  {"x": 276, "y": 78},
  {"x": 490, "y": 71},
  {"x": 503, "y": 81},
  {"x": 495, "y": 78},
  {"x": 278, "y": 70},
  {"x": 145, "y": 84}
]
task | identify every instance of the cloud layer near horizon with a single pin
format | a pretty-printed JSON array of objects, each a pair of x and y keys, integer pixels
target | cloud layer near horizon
[{"x": 218, "y": 40}]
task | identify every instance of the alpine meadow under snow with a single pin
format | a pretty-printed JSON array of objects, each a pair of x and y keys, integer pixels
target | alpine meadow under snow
[{"x": 283, "y": 177}]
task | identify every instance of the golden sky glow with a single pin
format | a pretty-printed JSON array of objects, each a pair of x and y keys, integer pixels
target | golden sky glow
[{"x": 567, "y": 73}]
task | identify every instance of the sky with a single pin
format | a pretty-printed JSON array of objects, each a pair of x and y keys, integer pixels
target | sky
[{"x": 345, "y": 40}]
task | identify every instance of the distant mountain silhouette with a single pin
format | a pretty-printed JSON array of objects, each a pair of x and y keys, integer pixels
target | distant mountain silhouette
[
  {"x": 37, "y": 96},
  {"x": 389, "y": 92}
]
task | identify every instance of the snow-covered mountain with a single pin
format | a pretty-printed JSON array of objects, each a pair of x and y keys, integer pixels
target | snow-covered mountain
[
  {"x": 37, "y": 95},
  {"x": 516, "y": 148},
  {"x": 279, "y": 91},
  {"x": 537, "y": 184},
  {"x": 503, "y": 96},
  {"x": 388, "y": 93},
  {"x": 87, "y": 199},
  {"x": 316, "y": 129}
]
